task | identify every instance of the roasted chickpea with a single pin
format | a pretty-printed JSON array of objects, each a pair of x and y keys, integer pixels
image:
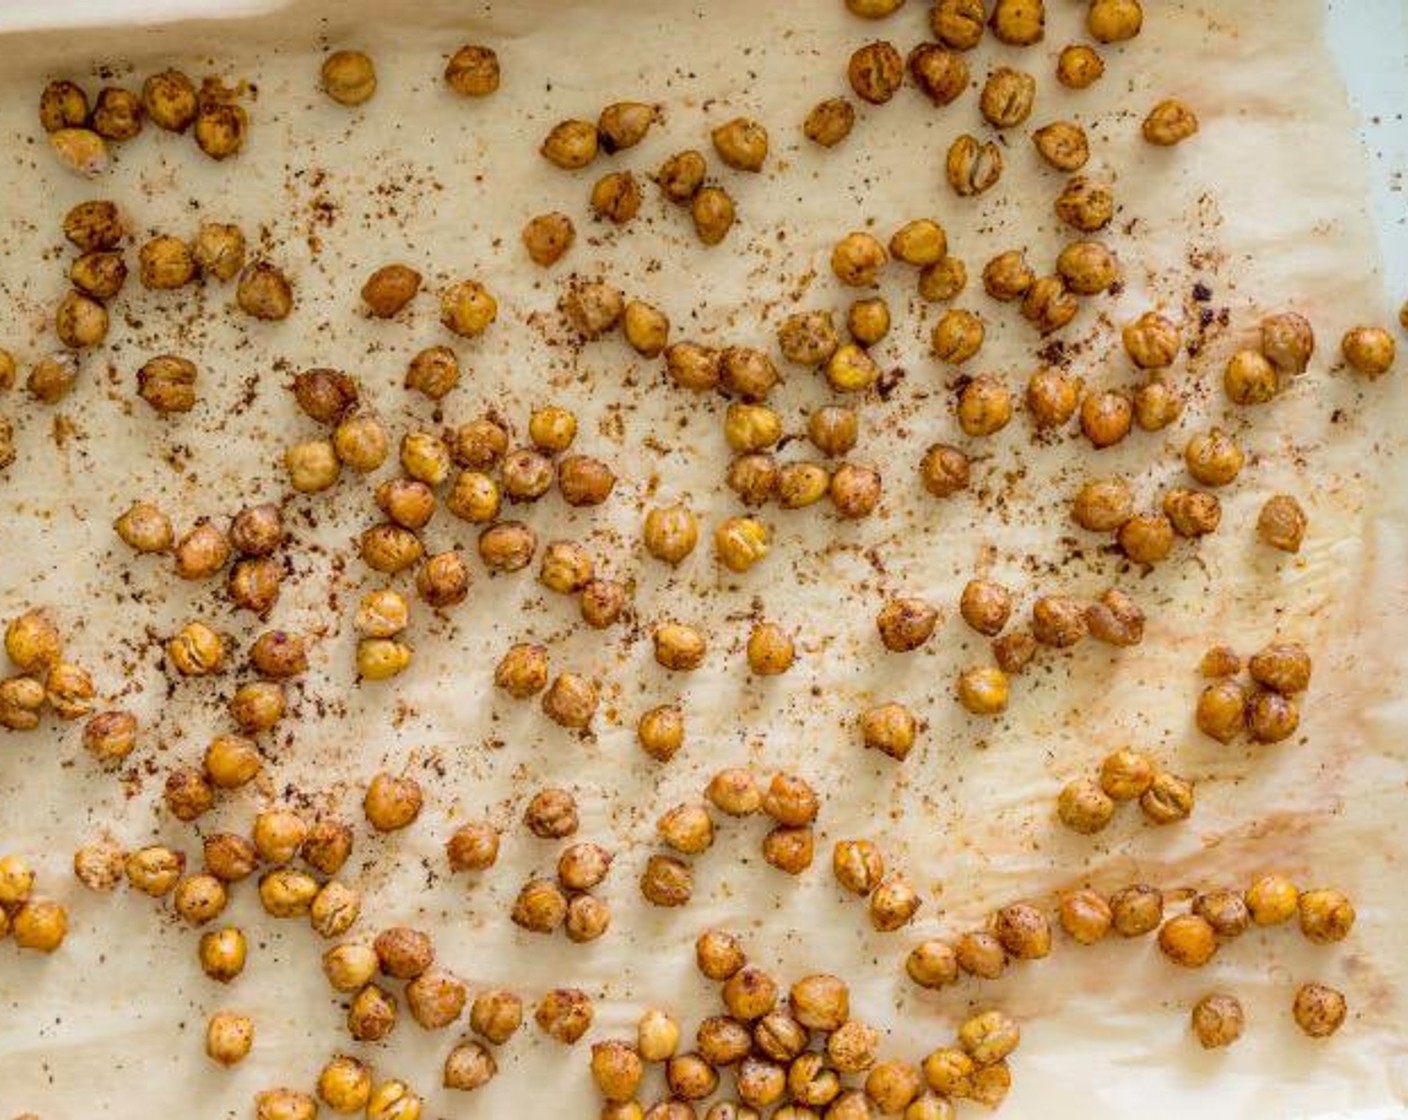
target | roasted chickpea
[
  {"x": 95, "y": 226},
  {"x": 435, "y": 998},
  {"x": 80, "y": 322},
  {"x": 1146, "y": 538},
  {"x": 98, "y": 866},
  {"x": 473, "y": 71},
  {"x": 829, "y": 122},
  {"x": 219, "y": 250},
  {"x": 1213, "y": 458},
  {"x": 409, "y": 502},
  {"x": 687, "y": 829},
  {"x": 1225, "y": 911},
  {"x": 972, "y": 166},
  {"x": 1288, "y": 342},
  {"x": 770, "y": 650},
  {"x": 735, "y": 791},
  {"x": 876, "y": 72},
  {"x": 165, "y": 263},
  {"x": 1319, "y": 1010},
  {"x": 1217, "y": 1020},
  {"x": 1188, "y": 940},
  {"x": 906, "y": 624},
  {"x": 941, "y": 74},
  {"x": 681, "y": 176},
  {"x": 507, "y": 546},
  {"x": 81, "y": 150},
  {"x": 1249, "y": 378},
  {"x": 1136, "y": 910},
  {"x": 868, "y": 320},
  {"x": 345, "y": 1084},
  {"x": 1168, "y": 799},
  {"x": 1048, "y": 306},
  {"x": 857, "y": 865},
  {"x": 287, "y": 893},
  {"x": 571, "y": 701},
  {"x": 932, "y": 964},
  {"x": 1282, "y": 523},
  {"x": 949, "y": 1071},
  {"x": 187, "y": 793},
  {"x": 666, "y": 881},
  {"x": 389, "y": 289},
  {"x": 1114, "y": 21},
  {"x": 741, "y": 542},
  {"x": 1086, "y": 204},
  {"x": 349, "y": 77},
  {"x": 1085, "y": 916},
  {"x": 893, "y": 903},
  {"x": 851, "y": 370},
  {"x": 230, "y": 858},
  {"x": 222, "y": 952},
  {"x": 496, "y": 1014},
  {"x": 892, "y": 1085},
  {"x": 154, "y": 870},
  {"x": 350, "y": 967},
  {"x": 943, "y": 281},
  {"x": 372, "y": 1014},
  {"x": 616, "y": 197},
  {"x": 389, "y": 548},
  {"x": 1025, "y": 935},
  {"x": 694, "y": 367},
  {"x": 1326, "y": 916},
  {"x": 957, "y": 336},
  {"x": 857, "y": 259},
  {"x": 741, "y": 143},
  {"x": 325, "y": 395},
  {"x": 646, "y": 328},
  {"x": 33, "y": 642},
  {"x": 983, "y": 690},
  {"x": 780, "y": 1037},
  {"x": 1008, "y": 276},
  {"x": 200, "y": 899},
  {"x": 888, "y": 728},
  {"x": 169, "y": 99},
  {"x": 50, "y": 379},
  {"x": 380, "y": 659},
  {"x": 958, "y": 24},
  {"x": 62, "y": 104},
  {"x": 284, "y": 1104},
  {"x": 392, "y": 802},
  {"x": 1156, "y": 405},
  {"x": 98, "y": 274},
  {"x": 264, "y": 292},
  {"x": 1193, "y": 513},
  {"x": 69, "y": 690},
  {"x": 790, "y": 850},
  {"x": 1063, "y": 145},
  {"x": 475, "y": 497},
  {"x": 1051, "y": 397},
  {"x": 1084, "y": 807},
  {"x": 583, "y": 480},
  {"x": 1007, "y": 97},
  {"x": 1020, "y": 23},
  {"x": 548, "y": 237},
  {"x": 1169, "y": 122},
  {"x": 1105, "y": 417},
  {"x": 748, "y": 993}
]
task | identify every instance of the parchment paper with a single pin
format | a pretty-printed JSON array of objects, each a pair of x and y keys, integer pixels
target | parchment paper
[{"x": 1265, "y": 207}]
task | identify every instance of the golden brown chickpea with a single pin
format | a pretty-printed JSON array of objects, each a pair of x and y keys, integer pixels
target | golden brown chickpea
[
  {"x": 692, "y": 366},
  {"x": 930, "y": 1107},
  {"x": 1326, "y": 916},
  {"x": 571, "y": 144},
  {"x": 98, "y": 274},
  {"x": 855, "y": 491},
  {"x": 69, "y": 690},
  {"x": 408, "y": 502},
  {"x": 1085, "y": 916},
  {"x": 751, "y": 427},
  {"x": 1008, "y": 276},
  {"x": 1084, "y": 807},
  {"x": 1019, "y": 23},
  {"x": 857, "y": 259},
  {"x": 94, "y": 226},
  {"x": 571, "y": 701},
  {"x": 1136, "y": 910},
  {"x": 1288, "y": 342},
  {"x": 741, "y": 143},
  {"x": 593, "y": 308},
  {"x": 566, "y": 567},
  {"x": 851, "y": 370},
  {"x": 770, "y": 650},
  {"x": 507, "y": 546},
  {"x": 1217, "y": 1020},
  {"x": 21, "y": 702},
  {"x": 1105, "y": 417},
  {"x": 583, "y": 866},
  {"x": 690, "y": 1077},
  {"x": 1114, "y": 21},
  {"x": 719, "y": 956},
  {"x": 780, "y": 1037},
  {"x": 1225, "y": 911},
  {"x": 1168, "y": 799},
  {"x": 1282, "y": 523},
  {"x": 51, "y": 378},
  {"x": 350, "y": 967},
  {"x": 1146, "y": 538},
  {"x": 829, "y": 122},
  {"x": 277, "y": 654},
  {"x": 222, "y": 952},
  {"x": 389, "y": 289},
  {"x": 1126, "y": 775},
  {"x": 1007, "y": 97},
  {"x": 802, "y": 484},
  {"x": 200, "y": 899},
  {"x": 746, "y": 372},
  {"x": 940, "y": 74},
  {"x": 723, "y": 1041},
  {"x": 661, "y": 732},
  {"x": 1319, "y": 1010},
  {"x": 892, "y": 1085},
  {"x": 790, "y": 801},
  {"x": 98, "y": 866},
  {"x": 326, "y": 395},
  {"x": 623, "y": 124},
  {"x": 1102, "y": 505},
  {"x": 551, "y": 814},
  {"x": 380, "y": 659},
  {"x": 287, "y": 893},
  {"x": 681, "y": 176},
  {"x": 981, "y": 954},
  {"x": 906, "y": 624},
  {"x": 403, "y": 953},
  {"x": 989, "y": 1036},
  {"x": 473, "y": 71},
  {"x": 62, "y": 104},
  {"x": 888, "y": 728},
  {"x": 436, "y": 998},
  {"x": 467, "y": 308},
  {"x": 345, "y": 1084},
  {"x": 1115, "y": 619},
  {"x": 165, "y": 263},
  {"x": 972, "y": 166},
  {"x": 230, "y": 858},
  {"x": 372, "y": 1014},
  {"x": 187, "y": 793},
  {"x": 932, "y": 964},
  {"x": 1048, "y": 306},
  {"x": 873, "y": 9},
  {"x": 1282, "y": 667},
  {"x": 1086, "y": 205},
  {"x": 893, "y": 903},
  {"x": 1219, "y": 661},
  {"x": 583, "y": 480},
  {"x": 957, "y": 336},
  {"x": 1025, "y": 935},
  {"x": 1087, "y": 267},
  {"x": 1169, "y": 122},
  {"x": 468, "y": 1066},
  {"x": 857, "y": 865},
  {"x": 949, "y": 1071},
  {"x": 278, "y": 834},
  {"x": 1156, "y": 405},
  {"x": 748, "y": 993},
  {"x": 1193, "y": 513},
  {"x": 80, "y": 322},
  {"x": 1188, "y": 940},
  {"x": 110, "y": 736},
  {"x": 790, "y": 850},
  {"x": 392, "y": 802},
  {"x": 919, "y": 242},
  {"x": 1249, "y": 378},
  {"x": 349, "y": 77},
  {"x": 1213, "y": 458},
  {"x": 876, "y": 72},
  {"x": 1063, "y": 145},
  {"x": 202, "y": 552},
  {"x": 616, "y": 1069},
  {"x": 1221, "y": 710},
  {"x": 229, "y": 1038},
  {"x": 33, "y": 642},
  {"x": 81, "y": 150},
  {"x": 811, "y": 1082},
  {"x": 548, "y": 237},
  {"x": 284, "y": 1104},
  {"x": 984, "y": 406},
  {"x": 820, "y": 1002},
  {"x": 496, "y": 1014},
  {"x": 154, "y": 870},
  {"x": 169, "y": 99},
  {"x": 735, "y": 791},
  {"x": 389, "y": 548},
  {"x": 264, "y": 292},
  {"x": 943, "y": 281},
  {"x": 646, "y": 328},
  {"x": 666, "y": 881},
  {"x": 687, "y": 829},
  {"x": 958, "y": 24},
  {"x": 1151, "y": 341},
  {"x": 616, "y": 197},
  {"x": 1051, "y": 397},
  {"x": 741, "y": 542},
  {"x": 868, "y": 320},
  {"x": 983, "y": 690}
]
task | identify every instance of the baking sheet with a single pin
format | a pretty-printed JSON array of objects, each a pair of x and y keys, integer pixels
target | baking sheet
[{"x": 1267, "y": 207}]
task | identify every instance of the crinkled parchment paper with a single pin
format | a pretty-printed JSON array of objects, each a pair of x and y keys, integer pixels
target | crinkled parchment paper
[{"x": 1265, "y": 207}]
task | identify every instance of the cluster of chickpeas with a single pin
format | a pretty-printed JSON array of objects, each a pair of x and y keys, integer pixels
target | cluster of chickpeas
[
  {"x": 34, "y": 921},
  {"x": 543, "y": 904},
  {"x": 1087, "y": 805},
  {"x": 1267, "y": 712},
  {"x": 797, "y": 1054},
  {"x": 859, "y": 868},
  {"x": 79, "y": 134},
  {"x": 45, "y": 680}
]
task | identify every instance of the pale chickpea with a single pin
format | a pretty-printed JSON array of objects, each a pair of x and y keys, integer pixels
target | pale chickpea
[
  {"x": 219, "y": 250},
  {"x": 98, "y": 866},
  {"x": 350, "y": 967}
]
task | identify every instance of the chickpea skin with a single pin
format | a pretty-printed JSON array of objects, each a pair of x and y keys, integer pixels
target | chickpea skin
[
  {"x": 876, "y": 72},
  {"x": 1369, "y": 350},
  {"x": 1169, "y": 122}
]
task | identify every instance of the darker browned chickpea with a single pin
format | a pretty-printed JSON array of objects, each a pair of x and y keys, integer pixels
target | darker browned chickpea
[
  {"x": 1288, "y": 342},
  {"x": 602, "y": 602},
  {"x": 202, "y": 552},
  {"x": 95, "y": 226},
  {"x": 278, "y": 654},
  {"x": 1023, "y": 930},
  {"x": 1136, "y": 910},
  {"x": 254, "y": 584},
  {"x": 855, "y": 491},
  {"x": 1007, "y": 97},
  {"x": 1058, "y": 621},
  {"x": 62, "y": 104},
  {"x": 906, "y": 624},
  {"x": 1225, "y": 911},
  {"x": 1283, "y": 668},
  {"x": 1271, "y": 717},
  {"x": 888, "y": 728},
  {"x": 1282, "y": 523},
  {"x": 1219, "y": 661},
  {"x": 893, "y": 903},
  {"x": 1319, "y": 1010},
  {"x": 666, "y": 881},
  {"x": 117, "y": 114},
  {"x": 616, "y": 197},
  {"x": 1063, "y": 145},
  {"x": 681, "y": 176},
  {"x": 876, "y": 72},
  {"x": 1014, "y": 652},
  {"x": 741, "y": 143},
  {"x": 1008, "y": 276},
  {"x": 257, "y": 530},
  {"x": 389, "y": 289},
  {"x": 984, "y": 406},
  {"x": 169, "y": 99},
  {"x": 551, "y": 814},
  {"x": 548, "y": 237},
  {"x": 473, "y": 71},
  {"x": 829, "y": 122},
  {"x": 168, "y": 383},
  {"x": 188, "y": 794},
  {"x": 985, "y": 606},
  {"x": 571, "y": 701},
  {"x": 1221, "y": 710},
  {"x": 944, "y": 470},
  {"x": 790, "y": 850},
  {"x": 746, "y": 372},
  {"x": 1194, "y": 513},
  {"x": 326, "y": 395},
  {"x": 1146, "y": 538},
  {"x": 583, "y": 480},
  {"x": 564, "y": 1014},
  {"x": 1086, "y": 205},
  {"x": 957, "y": 336},
  {"x": 1019, "y": 22},
  {"x": 264, "y": 292},
  {"x": 1115, "y": 619},
  {"x": 221, "y": 124},
  {"x": 941, "y": 74},
  {"x": 1105, "y": 417}
]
